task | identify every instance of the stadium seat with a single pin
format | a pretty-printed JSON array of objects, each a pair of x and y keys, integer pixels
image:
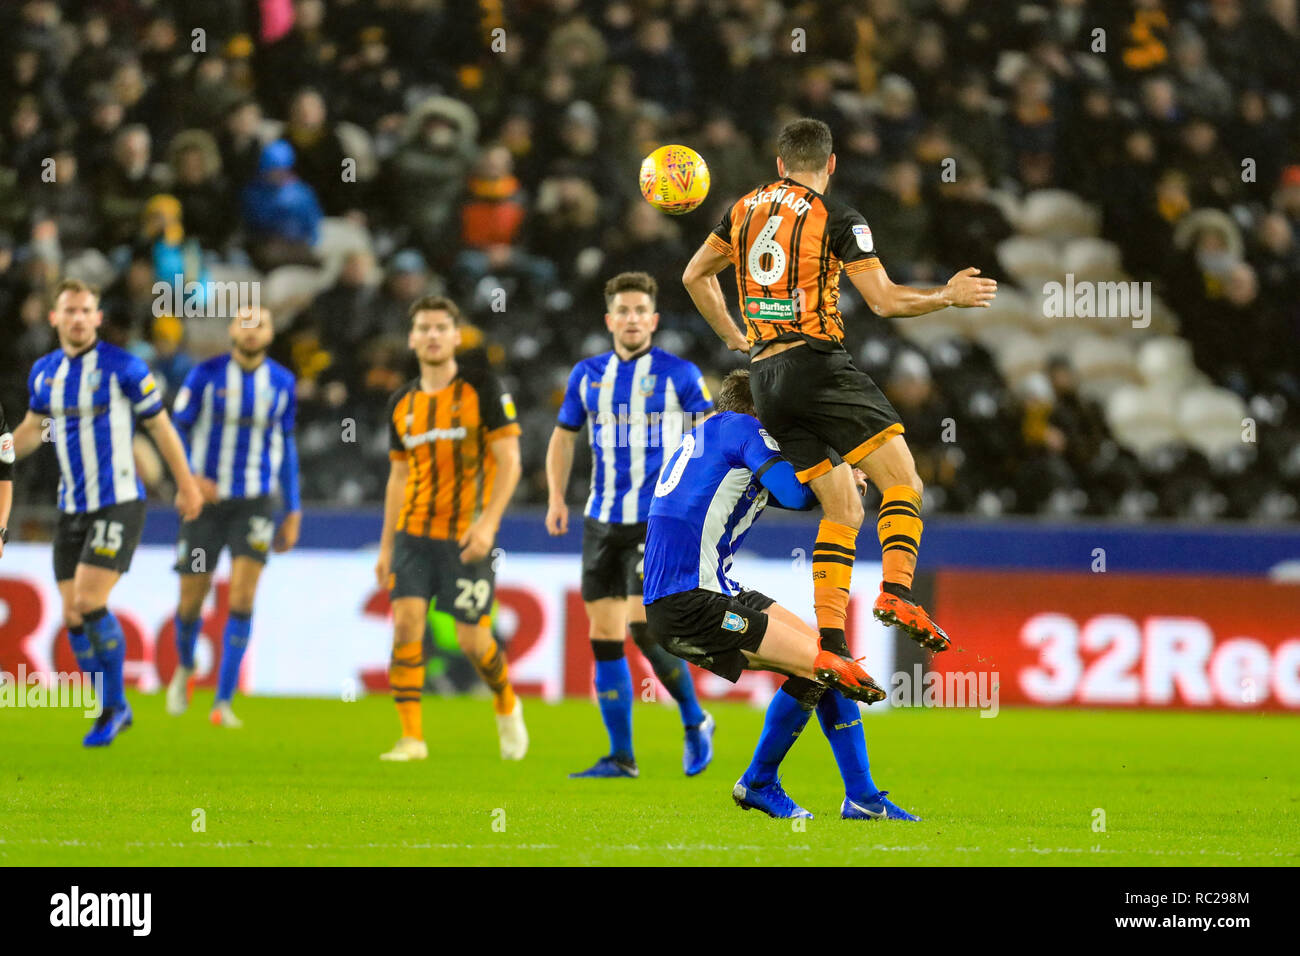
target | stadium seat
[
  {"x": 90, "y": 265},
  {"x": 1061, "y": 339},
  {"x": 1008, "y": 202},
  {"x": 1021, "y": 355},
  {"x": 289, "y": 289},
  {"x": 358, "y": 145},
  {"x": 1102, "y": 365},
  {"x": 1030, "y": 261},
  {"x": 339, "y": 238},
  {"x": 1012, "y": 310},
  {"x": 1092, "y": 260},
  {"x": 1210, "y": 420},
  {"x": 1142, "y": 420},
  {"x": 925, "y": 330},
  {"x": 1057, "y": 214},
  {"x": 1165, "y": 360}
]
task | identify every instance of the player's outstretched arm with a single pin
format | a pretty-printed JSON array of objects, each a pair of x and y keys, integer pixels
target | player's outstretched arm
[
  {"x": 786, "y": 490},
  {"x": 477, "y": 541},
  {"x": 965, "y": 290},
  {"x": 394, "y": 493},
  {"x": 701, "y": 281},
  {"x": 286, "y": 536},
  {"x": 559, "y": 466},
  {"x": 189, "y": 499},
  {"x": 27, "y": 436}
]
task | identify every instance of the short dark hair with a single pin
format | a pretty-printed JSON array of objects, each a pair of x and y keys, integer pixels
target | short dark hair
[
  {"x": 631, "y": 282},
  {"x": 436, "y": 303},
  {"x": 73, "y": 285},
  {"x": 804, "y": 145},
  {"x": 734, "y": 394}
]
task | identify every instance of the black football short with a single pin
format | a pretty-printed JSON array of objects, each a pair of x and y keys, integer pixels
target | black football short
[
  {"x": 106, "y": 538},
  {"x": 820, "y": 408},
  {"x": 244, "y": 525},
  {"x": 431, "y": 569},
  {"x": 613, "y": 559},
  {"x": 710, "y": 629}
]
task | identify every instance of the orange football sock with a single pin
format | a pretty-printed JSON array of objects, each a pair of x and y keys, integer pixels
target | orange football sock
[
  {"x": 494, "y": 670},
  {"x": 406, "y": 680},
  {"x": 899, "y": 528},
  {"x": 832, "y": 570}
]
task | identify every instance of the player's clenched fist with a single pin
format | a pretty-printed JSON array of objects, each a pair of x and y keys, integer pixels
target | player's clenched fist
[
  {"x": 557, "y": 518},
  {"x": 189, "y": 500},
  {"x": 476, "y": 543},
  {"x": 382, "y": 568},
  {"x": 208, "y": 487},
  {"x": 967, "y": 289}
]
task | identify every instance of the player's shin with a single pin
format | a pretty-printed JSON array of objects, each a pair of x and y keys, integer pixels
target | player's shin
[
  {"x": 832, "y": 570},
  {"x": 672, "y": 672},
  {"x": 614, "y": 695},
  {"x": 495, "y": 671},
  {"x": 899, "y": 528},
  {"x": 106, "y": 636},
  {"x": 187, "y": 637},
  {"x": 84, "y": 651},
  {"x": 841, "y": 722},
  {"x": 406, "y": 681},
  {"x": 786, "y": 717},
  {"x": 234, "y": 642}
]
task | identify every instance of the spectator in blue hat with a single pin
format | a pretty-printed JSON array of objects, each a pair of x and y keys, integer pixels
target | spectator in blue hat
[{"x": 281, "y": 212}]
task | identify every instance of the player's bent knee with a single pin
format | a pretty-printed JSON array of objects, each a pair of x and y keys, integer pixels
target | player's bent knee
[
  {"x": 849, "y": 512},
  {"x": 241, "y": 600},
  {"x": 468, "y": 639},
  {"x": 408, "y": 621},
  {"x": 855, "y": 514},
  {"x": 84, "y": 603}
]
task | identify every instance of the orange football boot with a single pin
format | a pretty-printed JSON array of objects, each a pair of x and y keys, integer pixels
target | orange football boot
[
  {"x": 911, "y": 619},
  {"x": 847, "y": 677}
]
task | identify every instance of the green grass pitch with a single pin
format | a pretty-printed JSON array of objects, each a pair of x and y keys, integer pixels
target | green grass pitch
[{"x": 301, "y": 785}]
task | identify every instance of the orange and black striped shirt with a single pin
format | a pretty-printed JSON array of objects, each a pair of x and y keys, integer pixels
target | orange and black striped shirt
[
  {"x": 789, "y": 244},
  {"x": 444, "y": 437}
]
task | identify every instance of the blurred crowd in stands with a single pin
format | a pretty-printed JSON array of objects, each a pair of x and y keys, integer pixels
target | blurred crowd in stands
[{"x": 352, "y": 155}]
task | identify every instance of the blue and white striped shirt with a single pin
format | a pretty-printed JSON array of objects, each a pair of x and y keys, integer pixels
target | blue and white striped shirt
[
  {"x": 238, "y": 428},
  {"x": 93, "y": 399},
  {"x": 709, "y": 495},
  {"x": 635, "y": 411}
]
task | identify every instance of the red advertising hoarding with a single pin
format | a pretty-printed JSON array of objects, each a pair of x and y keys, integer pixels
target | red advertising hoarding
[{"x": 1106, "y": 640}]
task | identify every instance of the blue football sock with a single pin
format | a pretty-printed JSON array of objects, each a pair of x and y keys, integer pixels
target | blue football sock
[
  {"x": 233, "y": 644},
  {"x": 672, "y": 672},
  {"x": 106, "y": 636},
  {"x": 84, "y": 651},
  {"x": 784, "y": 722},
  {"x": 187, "y": 635},
  {"x": 614, "y": 693},
  {"x": 842, "y": 723}
]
